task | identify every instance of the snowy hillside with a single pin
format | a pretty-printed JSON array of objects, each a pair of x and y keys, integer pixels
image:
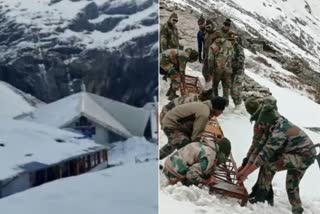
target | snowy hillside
[
  {"x": 14, "y": 101},
  {"x": 129, "y": 188},
  {"x": 287, "y": 30},
  {"x": 294, "y": 95},
  {"x": 48, "y": 47}
]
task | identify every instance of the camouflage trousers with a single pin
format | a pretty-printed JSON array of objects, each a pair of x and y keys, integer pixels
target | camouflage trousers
[
  {"x": 296, "y": 166},
  {"x": 224, "y": 76},
  {"x": 236, "y": 88},
  {"x": 174, "y": 85},
  {"x": 176, "y": 140},
  {"x": 205, "y": 71}
]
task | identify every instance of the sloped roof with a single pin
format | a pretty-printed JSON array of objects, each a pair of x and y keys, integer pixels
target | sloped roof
[
  {"x": 118, "y": 117},
  {"x": 133, "y": 118}
]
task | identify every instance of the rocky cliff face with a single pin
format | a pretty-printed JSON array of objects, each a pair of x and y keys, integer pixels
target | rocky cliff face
[{"x": 49, "y": 47}]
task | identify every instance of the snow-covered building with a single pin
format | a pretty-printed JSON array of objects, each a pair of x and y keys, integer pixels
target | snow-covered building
[
  {"x": 33, "y": 154},
  {"x": 102, "y": 119}
]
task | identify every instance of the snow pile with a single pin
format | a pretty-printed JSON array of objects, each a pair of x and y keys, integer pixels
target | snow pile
[
  {"x": 132, "y": 188},
  {"x": 135, "y": 149}
]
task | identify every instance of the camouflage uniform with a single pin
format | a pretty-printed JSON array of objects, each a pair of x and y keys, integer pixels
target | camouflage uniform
[
  {"x": 285, "y": 147},
  {"x": 177, "y": 101},
  {"x": 219, "y": 63},
  {"x": 193, "y": 163},
  {"x": 169, "y": 37},
  {"x": 203, "y": 96},
  {"x": 173, "y": 62},
  {"x": 237, "y": 73},
  {"x": 184, "y": 124}
]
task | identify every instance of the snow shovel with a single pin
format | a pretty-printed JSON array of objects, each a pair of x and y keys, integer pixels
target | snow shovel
[{"x": 317, "y": 156}]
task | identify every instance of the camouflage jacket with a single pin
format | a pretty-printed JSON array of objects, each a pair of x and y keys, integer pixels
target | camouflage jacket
[
  {"x": 198, "y": 113},
  {"x": 209, "y": 38},
  {"x": 173, "y": 61},
  {"x": 265, "y": 117},
  {"x": 284, "y": 138},
  {"x": 194, "y": 162},
  {"x": 169, "y": 37},
  {"x": 220, "y": 54},
  {"x": 176, "y": 102},
  {"x": 238, "y": 60}
]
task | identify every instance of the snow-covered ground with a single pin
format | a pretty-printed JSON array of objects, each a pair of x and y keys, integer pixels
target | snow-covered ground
[
  {"x": 299, "y": 109},
  {"x": 131, "y": 187}
]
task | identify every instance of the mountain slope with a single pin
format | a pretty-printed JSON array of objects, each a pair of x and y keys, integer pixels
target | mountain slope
[
  {"x": 47, "y": 48},
  {"x": 283, "y": 30}
]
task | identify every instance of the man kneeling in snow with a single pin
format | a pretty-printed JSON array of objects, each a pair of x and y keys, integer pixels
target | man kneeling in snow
[
  {"x": 285, "y": 147},
  {"x": 194, "y": 163},
  {"x": 185, "y": 123},
  {"x": 203, "y": 96}
]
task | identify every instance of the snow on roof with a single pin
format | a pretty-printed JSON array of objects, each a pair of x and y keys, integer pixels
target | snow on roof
[
  {"x": 133, "y": 118},
  {"x": 115, "y": 116},
  {"x": 12, "y": 103},
  {"x": 25, "y": 142}
]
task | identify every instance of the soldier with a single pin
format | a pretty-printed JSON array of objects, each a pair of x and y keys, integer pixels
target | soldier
[
  {"x": 269, "y": 108},
  {"x": 237, "y": 64},
  {"x": 200, "y": 36},
  {"x": 173, "y": 64},
  {"x": 219, "y": 64},
  {"x": 286, "y": 147},
  {"x": 226, "y": 31},
  {"x": 210, "y": 36},
  {"x": 169, "y": 37},
  {"x": 185, "y": 123},
  {"x": 203, "y": 96},
  {"x": 194, "y": 163}
]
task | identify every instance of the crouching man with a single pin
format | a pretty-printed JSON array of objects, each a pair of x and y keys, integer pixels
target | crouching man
[
  {"x": 287, "y": 147},
  {"x": 194, "y": 163}
]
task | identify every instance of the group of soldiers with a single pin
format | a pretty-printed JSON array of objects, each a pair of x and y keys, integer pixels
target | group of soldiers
[
  {"x": 220, "y": 52},
  {"x": 190, "y": 159}
]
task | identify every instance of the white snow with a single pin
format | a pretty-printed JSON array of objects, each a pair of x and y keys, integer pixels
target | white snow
[
  {"x": 132, "y": 188},
  {"x": 283, "y": 14},
  {"x": 132, "y": 150},
  {"x": 21, "y": 138},
  {"x": 12, "y": 103},
  {"x": 129, "y": 188},
  {"x": 41, "y": 15}
]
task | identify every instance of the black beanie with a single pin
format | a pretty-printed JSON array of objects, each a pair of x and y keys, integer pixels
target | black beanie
[{"x": 218, "y": 103}]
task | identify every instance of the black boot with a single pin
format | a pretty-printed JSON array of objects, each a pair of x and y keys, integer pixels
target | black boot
[{"x": 261, "y": 195}]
